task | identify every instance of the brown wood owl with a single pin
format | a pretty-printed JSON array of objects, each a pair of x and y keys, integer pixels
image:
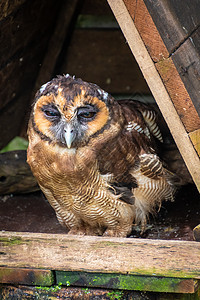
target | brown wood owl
[{"x": 94, "y": 158}]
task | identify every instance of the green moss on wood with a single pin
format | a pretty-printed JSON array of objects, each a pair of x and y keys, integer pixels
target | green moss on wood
[
  {"x": 124, "y": 282},
  {"x": 11, "y": 241},
  {"x": 26, "y": 276}
]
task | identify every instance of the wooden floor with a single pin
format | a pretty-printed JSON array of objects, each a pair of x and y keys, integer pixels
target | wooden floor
[{"x": 36, "y": 251}]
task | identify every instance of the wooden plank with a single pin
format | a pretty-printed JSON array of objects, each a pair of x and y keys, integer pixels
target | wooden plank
[
  {"x": 181, "y": 23},
  {"x": 196, "y": 233},
  {"x": 24, "y": 293},
  {"x": 128, "y": 282},
  {"x": 6, "y": 8},
  {"x": 11, "y": 117},
  {"x": 147, "y": 29},
  {"x": 158, "y": 89},
  {"x": 57, "y": 39},
  {"x": 178, "y": 93},
  {"x": 15, "y": 173},
  {"x": 195, "y": 138},
  {"x": 29, "y": 25},
  {"x": 19, "y": 73},
  {"x": 175, "y": 19},
  {"x": 15, "y": 91},
  {"x": 186, "y": 60},
  {"x": 26, "y": 276},
  {"x": 178, "y": 259},
  {"x": 165, "y": 64}
]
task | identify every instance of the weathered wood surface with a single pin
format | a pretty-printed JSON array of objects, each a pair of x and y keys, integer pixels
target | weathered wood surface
[
  {"x": 47, "y": 278},
  {"x": 164, "y": 62},
  {"x": 196, "y": 232},
  {"x": 24, "y": 33},
  {"x": 15, "y": 173},
  {"x": 7, "y": 7},
  {"x": 195, "y": 138},
  {"x": 26, "y": 276},
  {"x": 179, "y": 20},
  {"x": 187, "y": 61},
  {"x": 128, "y": 282},
  {"x": 157, "y": 87},
  {"x": 179, "y": 95},
  {"x": 60, "y": 34},
  {"x": 176, "y": 259},
  {"x": 181, "y": 23}
]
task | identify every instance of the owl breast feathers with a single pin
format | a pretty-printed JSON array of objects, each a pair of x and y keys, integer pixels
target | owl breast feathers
[{"x": 95, "y": 159}]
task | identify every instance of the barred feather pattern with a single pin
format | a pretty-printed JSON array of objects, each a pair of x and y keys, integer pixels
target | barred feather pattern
[
  {"x": 150, "y": 119},
  {"x": 153, "y": 187}
]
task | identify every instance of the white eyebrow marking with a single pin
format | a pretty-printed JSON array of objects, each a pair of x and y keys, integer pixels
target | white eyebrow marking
[
  {"x": 43, "y": 87},
  {"x": 103, "y": 93}
]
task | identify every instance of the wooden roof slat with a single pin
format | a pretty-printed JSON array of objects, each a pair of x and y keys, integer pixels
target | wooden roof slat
[{"x": 157, "y": 87}]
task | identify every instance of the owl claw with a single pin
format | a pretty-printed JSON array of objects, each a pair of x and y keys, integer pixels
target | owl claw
[
  {"x": 77, "y": 231},
  {"x": 118, "y": 231}
]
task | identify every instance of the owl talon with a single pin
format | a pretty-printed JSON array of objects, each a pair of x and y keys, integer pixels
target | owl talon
[
  {"x": 77, "y": 231},
  {"x": 118, "y": 232}
]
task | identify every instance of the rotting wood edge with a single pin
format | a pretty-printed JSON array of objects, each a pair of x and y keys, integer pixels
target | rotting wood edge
[{"x": 99, "y": 262}]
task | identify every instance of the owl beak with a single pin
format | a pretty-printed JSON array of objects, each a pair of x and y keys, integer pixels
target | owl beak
[{"x": 69, "y": 135}]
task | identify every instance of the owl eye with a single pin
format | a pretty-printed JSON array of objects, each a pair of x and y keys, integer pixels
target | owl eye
[
  {"x": 51, "y": 112},
  {"x": 87, "y": 115}
]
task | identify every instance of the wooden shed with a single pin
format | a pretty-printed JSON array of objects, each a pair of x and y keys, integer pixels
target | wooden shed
[{"x": 143, "y": 49}]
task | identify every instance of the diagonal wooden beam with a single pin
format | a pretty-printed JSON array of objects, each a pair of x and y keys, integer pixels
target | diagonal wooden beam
[{"x": 158, "y": 88}]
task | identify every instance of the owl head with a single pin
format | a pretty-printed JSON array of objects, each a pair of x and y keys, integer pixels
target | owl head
[{"x": 68, "y": 111}]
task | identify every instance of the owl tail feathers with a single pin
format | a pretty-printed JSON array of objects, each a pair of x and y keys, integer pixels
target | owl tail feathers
[{"x": 149, "y": 196}]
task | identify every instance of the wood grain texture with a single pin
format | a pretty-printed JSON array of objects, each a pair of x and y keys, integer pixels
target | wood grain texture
[
  {"x": 179, "y": 95},
  {"x": 55, "y": 45},
  {"x": 177, "y": 259},
  {"x": 178, "y": 26},
  {"x": 18, "y": 76},
  {"x": 147, "y": 29},
  {"x": 195, "y": 138},
  {"x": 7, "y": 7},
  {"x": 157, "y": 88},
  {"x": 15, "y": 173},
  {"x": 128, "y": 282},
  {"x": 30, "y": 24},
  {"x": 187, "y": 61},
  {"x": 169, "y": 67},
  {"x": 26, "y": 276},
  {"x": 175, "y": 21}
]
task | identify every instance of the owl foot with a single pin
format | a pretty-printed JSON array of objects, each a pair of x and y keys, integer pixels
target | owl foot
[
  {"x": 85, "y": 231},
  {"x": 118, "y": 232},
  {"x": 76, "y": 231}
]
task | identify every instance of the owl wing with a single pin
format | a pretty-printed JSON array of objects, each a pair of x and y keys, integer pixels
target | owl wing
[
  {"x": 144, "y": 183},
  {"x": 141, "y": 118}
]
